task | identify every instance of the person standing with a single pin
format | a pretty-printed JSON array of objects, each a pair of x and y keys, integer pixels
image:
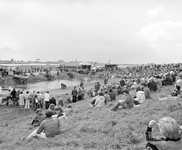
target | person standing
[
  {"x": 21, "y": 100},
  {"x": 83, "y": 93},
  {"x": 52, "y": 101},
  {"x": 74, "y": 94},
  {"x": 32, "y": 100},
  {"x": 46, "y": 99},
  {"x": 27, "y": 100},
  {"x": 79, "y": 97},
  {"x": 107, "y": 97},
  {"x": 13, "y": 95}
]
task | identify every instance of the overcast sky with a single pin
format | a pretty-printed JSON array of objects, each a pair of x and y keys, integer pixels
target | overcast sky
[{"x": 123, "y": 31}]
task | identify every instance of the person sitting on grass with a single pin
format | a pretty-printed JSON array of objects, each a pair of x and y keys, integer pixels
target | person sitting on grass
[
  {"x": 140, "y": 96},
  {"x": 176, "y": 91},
  {"x": 38, "y": 119},
  {"x": 59, "y": 112},
  {"x": 48, "y": 127},
  {"x": 152, "y": 85},
  {"x": 171, "y": 132},
  {"x": 52, "y": 107},
  {"x": 179, "y": 81},
  {"x": 146, "y": 91},
  {"x": 127, "y": 103},
  {"x": 60, "y": 102},
  {"x": 52, "y": 101},
  {"x": 107, "y": 97},
  {"x": 68, "y": 110},
  {"x": 112, "y": 95},
  {"x": 60, "y": 115},
  {"x": 98, "y": 101}
]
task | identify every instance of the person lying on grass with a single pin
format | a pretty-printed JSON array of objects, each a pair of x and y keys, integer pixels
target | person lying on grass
[
  {"x": 38, "y": 118},
  {"x": 127, "y": 103},
  {"x": 48, "y": 127},
  {"x": 170, "y": 130}
]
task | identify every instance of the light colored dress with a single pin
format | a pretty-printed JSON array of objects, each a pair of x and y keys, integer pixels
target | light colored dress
[{"x": 21, "y": 100}]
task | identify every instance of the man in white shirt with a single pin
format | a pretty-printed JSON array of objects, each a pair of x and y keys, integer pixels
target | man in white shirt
[{"x": 46, "y": 99}]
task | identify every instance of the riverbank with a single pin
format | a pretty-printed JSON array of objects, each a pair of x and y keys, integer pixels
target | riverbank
[
  {"x": 40, "y": 83},
  {"x": 9, "y": 81}
]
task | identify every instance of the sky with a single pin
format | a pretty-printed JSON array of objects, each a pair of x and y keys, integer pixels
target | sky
[{"x": 122, "y": 31}]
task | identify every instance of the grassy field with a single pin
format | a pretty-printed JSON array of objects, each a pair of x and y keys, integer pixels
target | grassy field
[{"x": 90, "y": 128}]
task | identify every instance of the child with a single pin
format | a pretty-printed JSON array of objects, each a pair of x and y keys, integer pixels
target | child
[
  {"x": 38, "y": 119},
  {"x": 171, "y": 131}
]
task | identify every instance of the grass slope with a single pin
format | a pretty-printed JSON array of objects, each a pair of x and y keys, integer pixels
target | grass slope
[{"x": 90, "y": 128}]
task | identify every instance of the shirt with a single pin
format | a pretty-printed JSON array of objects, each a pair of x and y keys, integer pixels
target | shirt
[
  {"x": 46, "y": 97},
  {"x": 140, "y": 97},
  {"x": 74, "y": 92},
  {"x": 147, "y": 93},
  {"x": 99, "y": 101},
  {"x": 112, "y": 95},
  {"x": 129, "y": 101},
  {"x": 107, "y": 97},
  {"x": 50, "y": 126}
]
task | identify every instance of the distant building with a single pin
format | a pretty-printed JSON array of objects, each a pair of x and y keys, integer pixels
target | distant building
[
  {"x": 85, "y": 66},
  {"x": 111, "y": 66}
]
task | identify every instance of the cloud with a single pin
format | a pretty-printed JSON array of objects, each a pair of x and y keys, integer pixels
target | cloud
[
  {"x": 154, "y": 12},
  {"x": 164, "y": 37},
  {"x": 5, "y": 49}
]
